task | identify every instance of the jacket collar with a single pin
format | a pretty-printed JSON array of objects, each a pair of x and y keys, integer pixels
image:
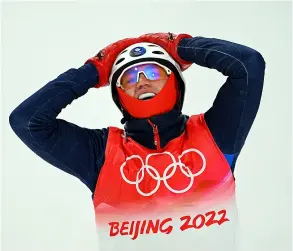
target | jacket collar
[{"x": 169, "y": 126}]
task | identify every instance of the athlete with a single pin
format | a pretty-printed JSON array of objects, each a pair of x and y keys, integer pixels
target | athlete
[{"x": 163, "y": 162}]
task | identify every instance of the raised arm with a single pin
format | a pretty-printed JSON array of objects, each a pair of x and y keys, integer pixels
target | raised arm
[
  {"x": 235, "y": 107},
  {"x": 66, "y": 146}
]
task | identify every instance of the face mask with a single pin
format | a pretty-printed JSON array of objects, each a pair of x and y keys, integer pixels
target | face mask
[{"x": 161, "y": 103}]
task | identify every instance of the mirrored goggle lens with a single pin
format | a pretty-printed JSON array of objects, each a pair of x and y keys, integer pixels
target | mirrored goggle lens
[{"x": 150, "y": 71}]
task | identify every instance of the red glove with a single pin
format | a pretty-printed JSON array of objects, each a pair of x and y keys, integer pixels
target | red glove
[
  {"x": 169, "y": 42},
  {"x": 106, "y": 57}
]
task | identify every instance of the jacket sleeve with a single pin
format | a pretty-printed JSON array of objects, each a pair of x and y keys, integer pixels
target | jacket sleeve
[
  {"x": 75, "y": 150},
  {"x": 236, "y": 104}
]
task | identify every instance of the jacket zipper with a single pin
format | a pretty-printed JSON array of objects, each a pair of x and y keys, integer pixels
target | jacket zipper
[{"x": 157, "y": 141}]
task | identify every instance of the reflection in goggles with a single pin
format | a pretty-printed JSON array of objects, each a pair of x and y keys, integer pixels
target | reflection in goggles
[{"x": 150, "y": 71}]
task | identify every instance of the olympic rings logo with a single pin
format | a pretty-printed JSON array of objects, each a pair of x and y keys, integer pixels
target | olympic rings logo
[{"x": 156, "y": 176}]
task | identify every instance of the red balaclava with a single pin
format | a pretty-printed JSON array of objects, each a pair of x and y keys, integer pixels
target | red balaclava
[{"x": 163, "y": 102}]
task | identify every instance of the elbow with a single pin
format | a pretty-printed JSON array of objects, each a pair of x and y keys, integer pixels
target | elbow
[
  {"x": 257, "y": 69},
  {"x": 258, "y": 61},
  {"x": 17, "y": 121},
  {"x": 14, "y": 120}
]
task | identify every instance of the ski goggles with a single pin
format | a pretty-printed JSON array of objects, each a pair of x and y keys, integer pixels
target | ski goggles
[{"x": 152, "y": 71}]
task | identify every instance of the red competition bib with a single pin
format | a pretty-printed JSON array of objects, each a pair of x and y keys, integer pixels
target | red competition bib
[{"x": 156, "y": 199}]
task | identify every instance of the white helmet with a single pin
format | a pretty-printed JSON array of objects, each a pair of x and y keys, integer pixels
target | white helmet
[
  {"x": 141, "y": 53},
  {"x": 138, "y": 53}
]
